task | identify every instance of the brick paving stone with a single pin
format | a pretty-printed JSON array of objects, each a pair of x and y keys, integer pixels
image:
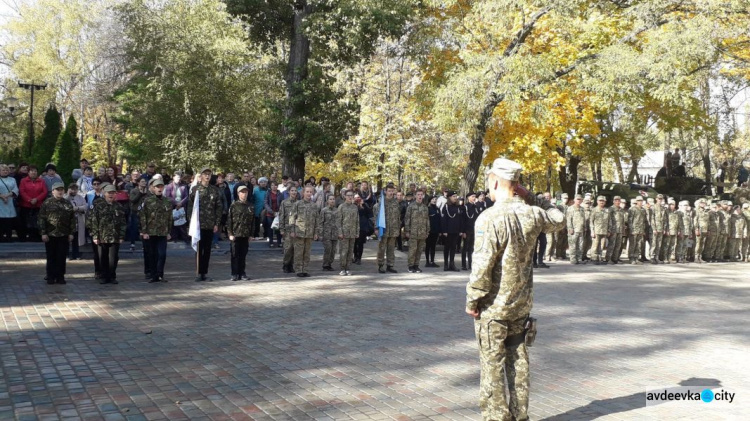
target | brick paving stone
[{"x": 368, "y": 346}]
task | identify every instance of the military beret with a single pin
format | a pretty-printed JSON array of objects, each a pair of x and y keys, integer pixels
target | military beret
[
  {"x": 617, "y": 198},
  {"x": 660, "y": 196},
  {"x": 241, "y": 188},
  {"x": 578, "y": 197},
  {"x": 58, "y": 185},
  {"x": 601, "y": 198},
  {"x": 506, "y": 169},
  {"x": 108, "y": 188},
  {"x": 156, "y": 182},
  {"x": 637, "y": 198},
  {"x": 205, "y": 169}
]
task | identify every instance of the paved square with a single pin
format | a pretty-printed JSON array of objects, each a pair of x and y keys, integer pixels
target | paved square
[{"x": 368, "y": 346}]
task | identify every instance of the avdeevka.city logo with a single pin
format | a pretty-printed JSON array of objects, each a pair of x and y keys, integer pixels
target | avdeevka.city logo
[{"x": 690, "y": 394}]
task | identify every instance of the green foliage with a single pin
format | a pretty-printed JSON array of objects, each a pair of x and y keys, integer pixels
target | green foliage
[
  {"x": 67, "y": 152},
  {"x": 44, "y": 145}
]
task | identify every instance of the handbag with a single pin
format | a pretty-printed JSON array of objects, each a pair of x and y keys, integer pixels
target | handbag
[{"x": 275, "y": 223}]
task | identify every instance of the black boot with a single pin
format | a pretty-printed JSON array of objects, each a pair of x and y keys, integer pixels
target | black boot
[{"x": 390, "y": 269}]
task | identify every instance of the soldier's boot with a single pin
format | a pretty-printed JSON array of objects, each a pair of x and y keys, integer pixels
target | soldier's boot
[
  {"x": 390, "y": 269},
  {"x": 381, "y": 269},
  {"x": 411, "y": 269},
  {"x": 654, "y": 261}
]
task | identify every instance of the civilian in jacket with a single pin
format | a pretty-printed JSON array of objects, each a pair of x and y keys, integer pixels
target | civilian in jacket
[
  {"x": 272, "y": 205},
  {"x": 177, "y": 192},
  {"x": 32, "y": 192}
]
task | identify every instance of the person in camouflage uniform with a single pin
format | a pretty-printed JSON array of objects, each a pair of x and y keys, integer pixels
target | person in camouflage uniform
[
  {"x": 673, "y": 239},
  {"x": 108, "y": 226},
  {"x": 713, "y": 234},
  {"x": 601, "y": 229},
  {"x": 387, "y": 243},
  {"x": 499, "y": 293},
  {"x": 562, "y": 235},
  {"x": 746, "y": 238},
  {"x": 329, "y": 234},
  {"x": 636, "y": 229},
  {"x": 587, "y": 241},
  {"x": 575, "y": 219},
  {"x": 736, "y": 233},
  {"x": 155, "y": 226},
  {"x": 348, "y": 231},
  {"x": 700, "y": 225},
  {"x": 551, "y": 236},
  {"x": 305, "y": 225},
  {"x": 240, "y": 219},
  {"x": 210, "y": 210},
  {"x": 686, "y": 232},
  {"x": 416, "y": 230},
  {"x": 97, "y": 200},
  {"x": 285, "y": 211},
  {"x": 57, "y": 222},
  {"x": 723, "y": 234},
  {"x": 690, "y": 247},
  {"x": 658, "y": 228},
  {"x": 726, "y": 210},
  {"x": 617, "y": 223}
]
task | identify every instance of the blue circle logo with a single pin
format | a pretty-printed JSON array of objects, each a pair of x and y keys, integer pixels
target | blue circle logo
[{"x": 707, "y": 395}]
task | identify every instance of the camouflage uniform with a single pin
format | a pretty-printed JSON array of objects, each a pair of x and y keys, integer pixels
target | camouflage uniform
[
  {"x": 417, "y": 227},
  {"x": 56, "y": 220},
  {"x": 348, "y": 227},
  {"x": 329, "y": 234},
  {"x": 387, "y": 244},
  {"x": 240, "y": 220},
  {"x": 210, "y": 210},
  {"x": 658, "y": 228},
  {"x": 721, "y": 239},
  {"x": 687, "y": 234},
  {"x": 575, "y": 220},
  {"x": 500, "y": 288},
  {"x": 637, "y": 228},
  {"x": 586, "y": 249},
  {"x": 736, "y": 234},
  {"x": 618, "y": 218},
  {"x": 562, "y": 235},
  {"x": 746, "y": 239},
  {"x": 713, "y": 235},
  {"x": 156, "y": 220},
  {"x": 673, "y": 240},
  {"x": 305, "y": 225},
  {"x": 285, "y": 211},
  {"x": 108, "y": 226},
  {"x": 700, "y": 224},
  {"x": 601, "y": 229}
]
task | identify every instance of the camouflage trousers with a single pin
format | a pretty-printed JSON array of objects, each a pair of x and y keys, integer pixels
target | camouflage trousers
[
  {"x": 302, "y": 254},
  {"x": 500, "y": 362},
  {"x": 551, "y": 245},
  {"x": 416, "y": 248},
  {"x": 668, "y": 246},
  {"x": 346, "y": 252},
  {"x": 575, "y": 241},
  {"x": 614, "y": 248},
  {"x": 721, "y": 245},
  {"x": 635, "y": 243},
  {"x": 734, "y": 248},
  {"x": 656, "y": 245},
  {"x": 288, "y": 250},
  {"x": 387, "y": 251},
  {"x": 562, "y": 244},
  {"x": 329, "y": 252},
  {"x": 745, "y": 248},
  {"x": 600, "y": 246},
  {"x": 708, "y": 252},
  {"x": 587, "y": 242},
  {"x": 700, "y": 245}
]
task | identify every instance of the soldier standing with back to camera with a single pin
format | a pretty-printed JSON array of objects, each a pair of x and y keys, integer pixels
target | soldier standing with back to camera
[
  {"x": 500, "y": 299},
  {"x": 155, "y": 226},
  {"x": 57, "y": 222}
]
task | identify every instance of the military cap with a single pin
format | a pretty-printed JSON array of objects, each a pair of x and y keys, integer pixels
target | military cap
[
  {"x": 701, "y": 200},
  {"x": 660, "y": 196},
  {"x": 156, "y": 182},
  {"x": 450, "y": 193},
  {"x": 241, "y": 188},
  {"x": 617, "y": 198},
  {"x": 728, "y": 203},
  {"x": 578, "y": 197},
  {"x": 637, "y": 198},
  {"x": 104, "y": 184},
  {"x": 587, "y": 201},
  {"x": 58, "y": 185},
  {"x": 684, "y": 203},
  {"x": 471, "y": 194},
  {"x": 564, "y": 196},
  {"x": 745, "y": 205},
  {"x": 206, "y": 169},
  {"x": 632, "y": 202},
  {"x": 671, "y": 202},
  {"x": 108, "y": 188},
  {"x": 601, "y": 198},
  {"x": 650, "y": 201},
  {"x": 506, "y": 169}
]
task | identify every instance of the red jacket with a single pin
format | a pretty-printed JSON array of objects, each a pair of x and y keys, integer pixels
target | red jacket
[{"x": 30, "y": 189}]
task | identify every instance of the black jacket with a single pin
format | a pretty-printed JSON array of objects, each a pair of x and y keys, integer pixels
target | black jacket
[
  {"x": 471, "y": 212},
  {"x": 452, "y": 219},
  {"x": 434, "y": 219}
]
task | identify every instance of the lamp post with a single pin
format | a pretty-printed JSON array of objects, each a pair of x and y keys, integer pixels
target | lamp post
[{"x": 31, "y": 87}]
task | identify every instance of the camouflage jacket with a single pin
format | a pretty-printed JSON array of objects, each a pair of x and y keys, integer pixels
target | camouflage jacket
[
  {"x": 737, "y": 226},
  {"x": 637, "y": 221},
  {"x": 687, "y": 224},
  {"x": 136, "y": 199},
  {"x": 328, "y": 223},
  {"x": 97, "y": 201},
  {"x": 417, "y": 221},
  {"x": 285, "y": 211},
  {"x": 713, "y": 222},
  {"x": 501, "y": 281},
  {"x": 600, "y": 223},
  {"x": 587, "y": 220},
  {"x": 746, "y": 215},
  {"x": 723, "y": 222},
  {"x": 659, "y": 220},
  {"x": 674, "y": 221},
  {"x": 240, "y": 219},
  {"x": 305, "y": 219},
  {"x": 348, "y": 220},
  {"x": 392, "y": 218},
  {"x": 211, "y": 207},
  {"x": 57, "y": 218},
  {"x": 575, "y": 219},
  {"x": 701, "y": 220},
  {"x": 156, "y": 216},
  {"x": 108, "y": 222},
  {"x": 617, "y": 220}
]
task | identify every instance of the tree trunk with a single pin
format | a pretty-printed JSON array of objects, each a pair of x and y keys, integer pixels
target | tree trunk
[
  {"x": 568, "y": 174},
  {"x": 618, "y": 164},
  {"x": 633, "y": 174},
  {"x": 471, "y": 172},
  {"x": 549, "y": 179},
  {"x": 299, "y": 54}
]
